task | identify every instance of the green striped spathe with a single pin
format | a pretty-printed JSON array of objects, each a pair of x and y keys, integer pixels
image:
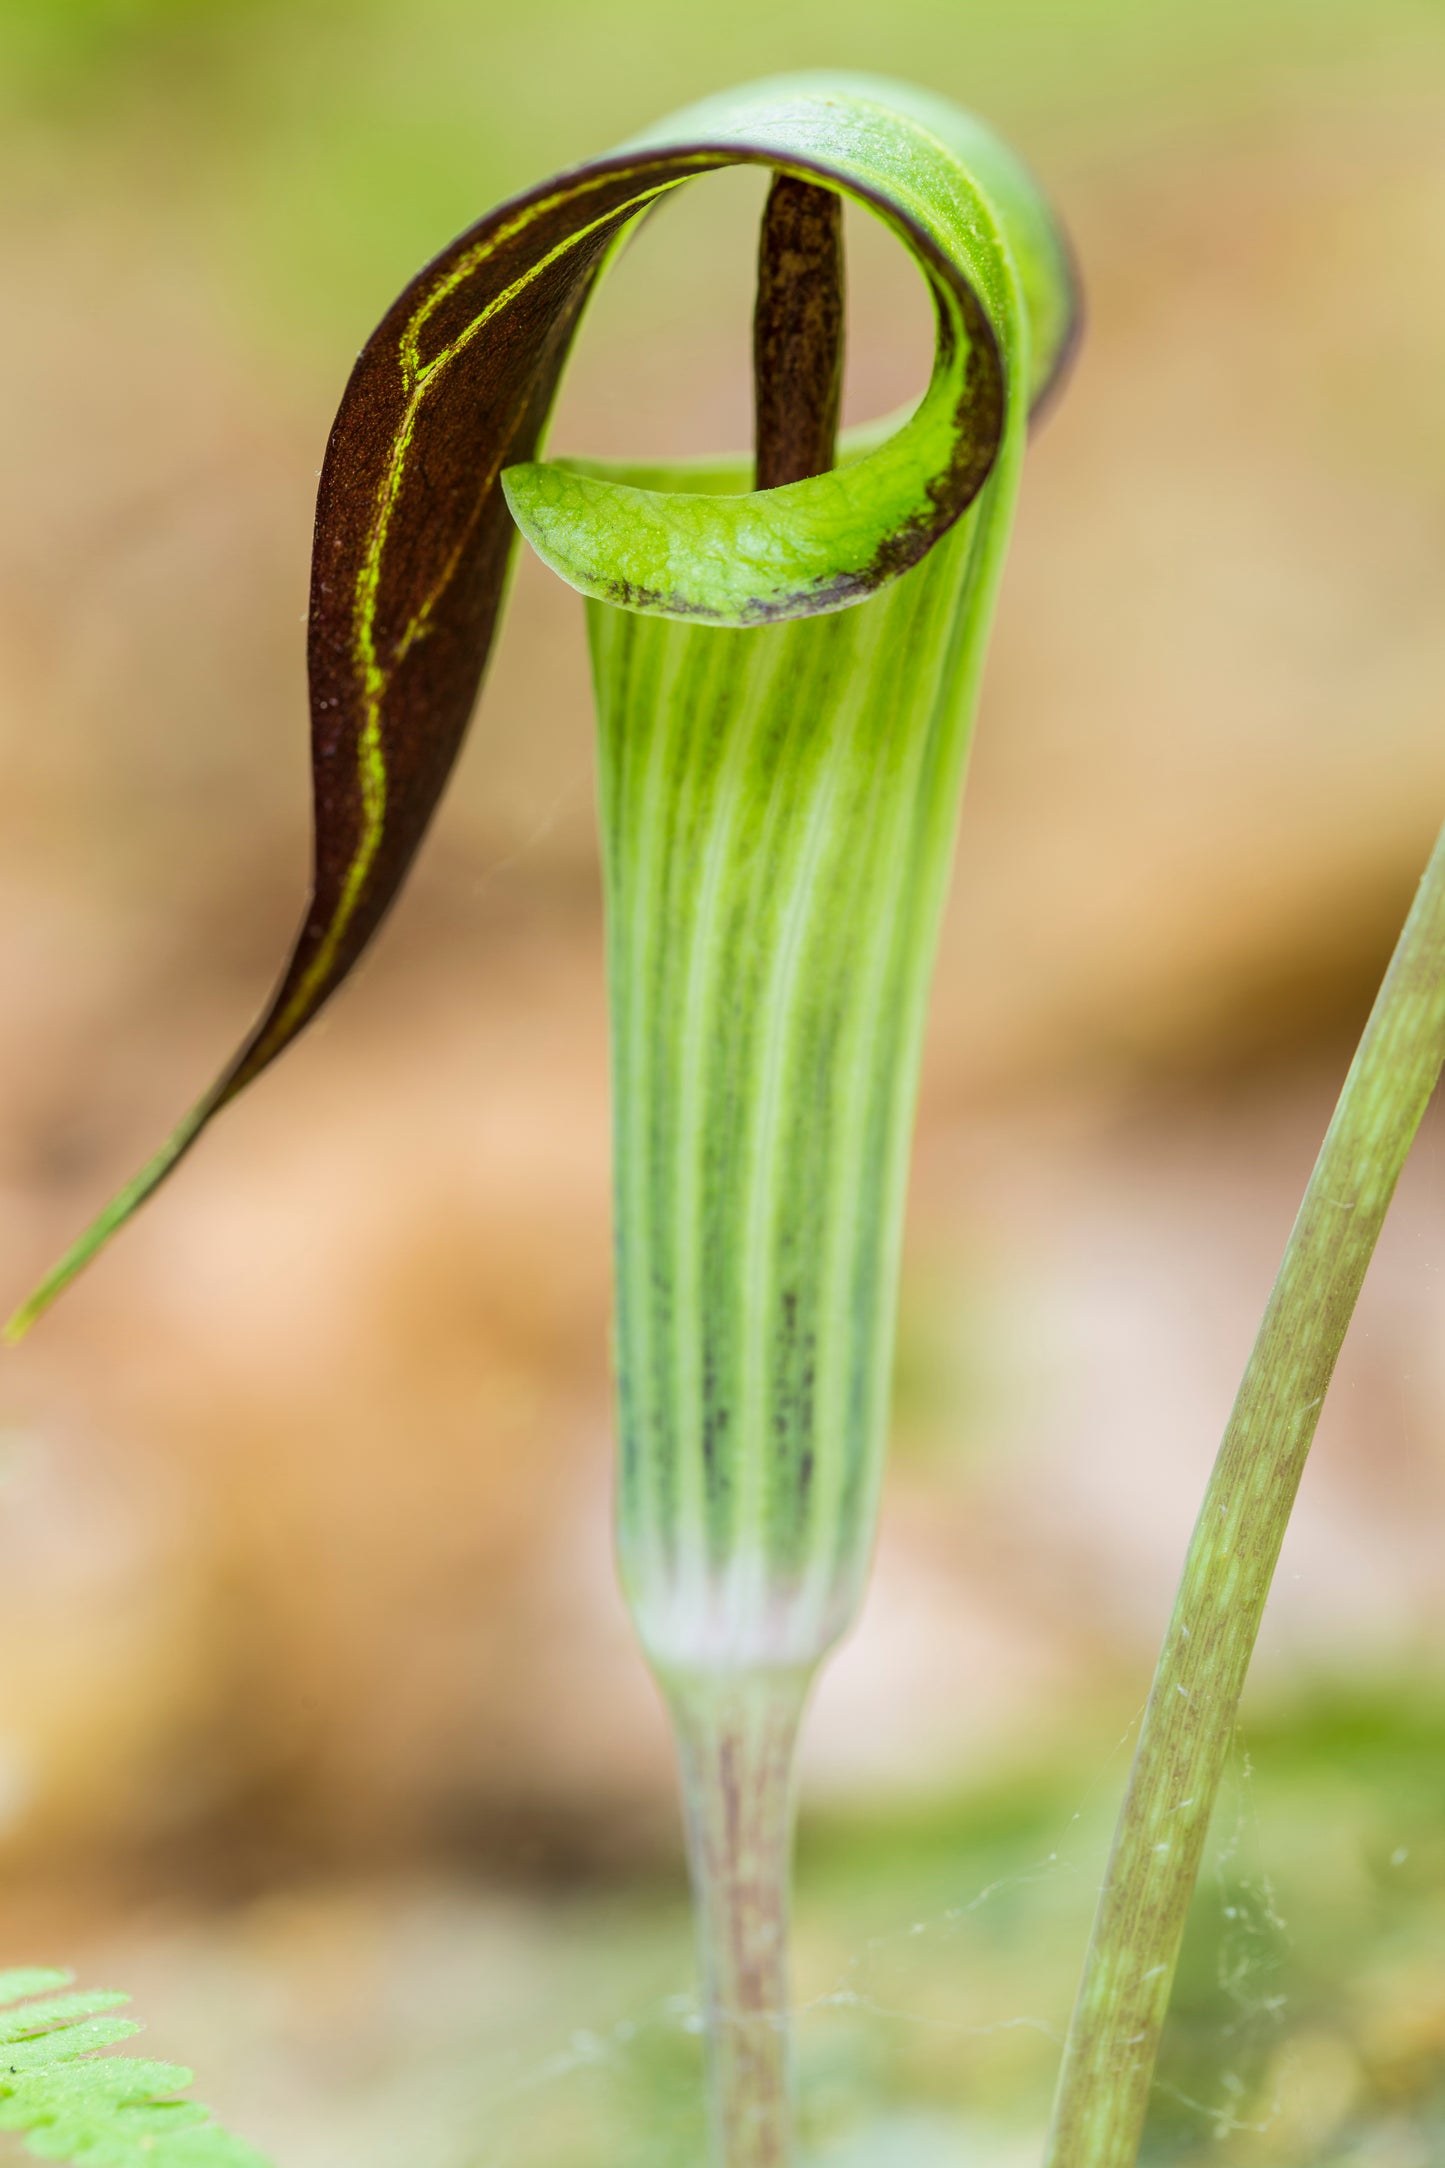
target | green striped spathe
[{"x": 778, "y": 811}]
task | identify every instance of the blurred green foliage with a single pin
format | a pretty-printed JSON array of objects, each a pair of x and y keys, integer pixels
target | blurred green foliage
[
  {"x": 1308, "y": 2028},
  {"x": 324, "y": 148}
]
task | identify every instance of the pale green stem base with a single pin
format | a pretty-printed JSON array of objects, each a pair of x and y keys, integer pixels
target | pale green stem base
[
  {"x": 736, "y": 1738},
  {"x": 1189, "y": 1723}
]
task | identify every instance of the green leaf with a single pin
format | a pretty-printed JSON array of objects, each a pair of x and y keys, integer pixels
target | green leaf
[
  {"x": 111, "y": 2112},
  {"x": 413, "y": 532},
  {"x": 42, "y": 2017},
  {"x": 14, "y": 1986}
]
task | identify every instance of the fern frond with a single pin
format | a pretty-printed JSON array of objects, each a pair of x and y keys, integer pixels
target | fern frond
[{"x": 112, "y": 2111}]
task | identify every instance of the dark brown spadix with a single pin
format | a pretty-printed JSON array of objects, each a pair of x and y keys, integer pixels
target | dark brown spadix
[{"x": 798, "y": 333}]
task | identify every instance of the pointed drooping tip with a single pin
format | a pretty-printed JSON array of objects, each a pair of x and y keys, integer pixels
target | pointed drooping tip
[
  {"x": 120, "y": 1209},
  {"x": 53, "y": 1286}
]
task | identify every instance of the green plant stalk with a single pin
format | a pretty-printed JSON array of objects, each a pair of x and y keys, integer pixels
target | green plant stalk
[
  {"x": 1190, "y": 1719},
  {"x": 736, "y": 1738}
]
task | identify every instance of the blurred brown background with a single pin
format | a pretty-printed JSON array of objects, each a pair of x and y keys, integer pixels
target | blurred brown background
[{"x": 312, "y": 1670}]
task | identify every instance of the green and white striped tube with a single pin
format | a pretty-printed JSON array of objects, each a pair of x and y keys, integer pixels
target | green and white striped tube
[{"x": 778, "y": 810}]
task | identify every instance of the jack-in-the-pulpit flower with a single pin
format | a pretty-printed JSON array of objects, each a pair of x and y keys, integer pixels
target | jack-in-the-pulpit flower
[{"x": 786, "y": 666}]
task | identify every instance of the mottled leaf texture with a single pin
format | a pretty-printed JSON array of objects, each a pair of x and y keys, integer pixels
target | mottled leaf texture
[
  {"x": 413, "y": 528},
  {"x": 111, "y": 2111}
]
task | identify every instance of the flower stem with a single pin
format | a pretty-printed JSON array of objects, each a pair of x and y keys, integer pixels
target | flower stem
[
  {"x": 1189, "y": 1722},
  {"x": 736, "y": 1735}
]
